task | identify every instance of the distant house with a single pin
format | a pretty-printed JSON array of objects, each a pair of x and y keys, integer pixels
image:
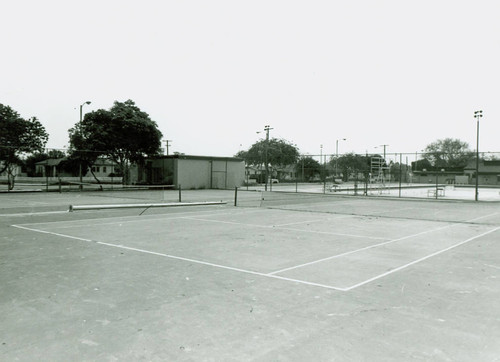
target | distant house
[
  {"x": 50, "y": 167},
  {"x": 54, "y": 167},
  {"x": 444, "y": 176},
  {"x": 103, "y": 167},
  {"x": 286, "y": 173},
  {"x": 489, "y": 172},
  {"x": 257, "y": 174},
  {"x": 190, "y": 172}
]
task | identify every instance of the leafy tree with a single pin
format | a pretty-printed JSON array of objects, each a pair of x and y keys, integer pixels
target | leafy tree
[
  {"x": 399, "y": 171},
  {"x": 448, "y": 152},
  {"x": 279, "y": 153},
  {"x": 124, "y": 133},
  {"x": 353, "y": 164},
  {"x": 18, "y": 136},
  {"x": 308, "y": 168}
]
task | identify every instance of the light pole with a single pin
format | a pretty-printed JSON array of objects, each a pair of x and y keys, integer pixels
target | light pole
[
  {"x": 322, "y": 168},
  {"x": 167, "y": 144},
  {"x": 477, "y": 115},
  {"x": 337, "y": 154},
  {"x": 384, "y": 149},
  {"x": 81, "y": 118},
  {"x": 267, "y": 129},
  {"x": 81, "y": 106},
  {"x": 266, "y": 146}
]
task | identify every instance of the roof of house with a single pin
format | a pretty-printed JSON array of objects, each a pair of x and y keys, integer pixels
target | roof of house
[
  {"x": 190, "y": 157},
  {"x": 57, "y": 161},
  {"x": 492, "y": 166},
  {"x": 51, "y": 161}
]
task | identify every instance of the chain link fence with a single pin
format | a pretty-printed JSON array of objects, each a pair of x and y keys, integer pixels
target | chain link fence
[{"x": 419, "y": 175}]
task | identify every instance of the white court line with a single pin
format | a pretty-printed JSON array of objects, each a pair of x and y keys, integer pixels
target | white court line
[
  {"x": 137, "y": 218},
  {"x": 299, "y": 222},
  {"x": 374, "y": 246},
  {"x": 284, "y": 228},
  {"x": 421, "y": 259},
  {"x": 337, "y": 217},
  {"x": 51, "y": 233},
  {"x": 35, "y": 213},
  {"x": 27, "y": 205},
  {"x": 219, "y": 266},
  {"x": 183, "y": 259},
  {"x": 271, "y": 275},
  {"x": 396, "y": 210},
  {"x": 356, "y": 250},
  {"x": 337, "y": 234}
]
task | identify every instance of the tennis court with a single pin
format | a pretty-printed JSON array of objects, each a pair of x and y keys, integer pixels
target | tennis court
[{"x": 278, "y": 277}]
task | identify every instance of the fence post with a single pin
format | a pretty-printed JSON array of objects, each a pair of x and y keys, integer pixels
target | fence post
[{"x": 400, "y": 172}]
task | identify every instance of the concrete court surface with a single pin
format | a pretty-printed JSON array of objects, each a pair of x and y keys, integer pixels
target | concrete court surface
[{"x": 225, "y": 283}]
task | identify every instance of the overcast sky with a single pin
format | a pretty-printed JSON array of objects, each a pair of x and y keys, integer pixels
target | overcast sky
[{"x": 212, "y": 73}]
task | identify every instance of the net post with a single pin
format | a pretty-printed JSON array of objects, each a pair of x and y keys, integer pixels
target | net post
[{"x": 236, "y": 196}]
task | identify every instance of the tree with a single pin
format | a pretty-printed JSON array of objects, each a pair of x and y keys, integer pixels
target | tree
[
  {"x": 279, "y": 153},
  {"x": 448, "y": 152},
  {"x": 351, "y": 163},
  {"x": 308, "y": 168},
  {"x": 18, "y": 136},
  {"x": 124, "y": 133}
]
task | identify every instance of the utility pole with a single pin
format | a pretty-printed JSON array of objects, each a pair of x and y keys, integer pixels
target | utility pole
[
  {"x": 267, "y": 129},
  {"x": 337, "y": 155},
  {"x": 81, "y": 119},
  {"x": 384, "y": 149},
  {"x": 167, "y": 143},
  {"x": 477, "y": 115}
]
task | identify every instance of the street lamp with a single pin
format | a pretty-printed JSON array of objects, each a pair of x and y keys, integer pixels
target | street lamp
[
  {"x": 81, "y": 106},
  {"x": 81, "y": 118},
  {"x": 266, "y": 146},
  {"x": 477, "y": 115},
  {"x": 337, "y": 154}
]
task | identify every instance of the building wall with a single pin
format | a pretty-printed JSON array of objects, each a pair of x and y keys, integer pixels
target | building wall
[
  {"x": 235, "y": 174},
  {"x": 101, "y": 170},
  {"x": 192, "y": 174},
  {"x": 206, "y": 174}
]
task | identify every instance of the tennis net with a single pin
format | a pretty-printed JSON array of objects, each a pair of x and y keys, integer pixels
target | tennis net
[{"x": 139, "y": 193}]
